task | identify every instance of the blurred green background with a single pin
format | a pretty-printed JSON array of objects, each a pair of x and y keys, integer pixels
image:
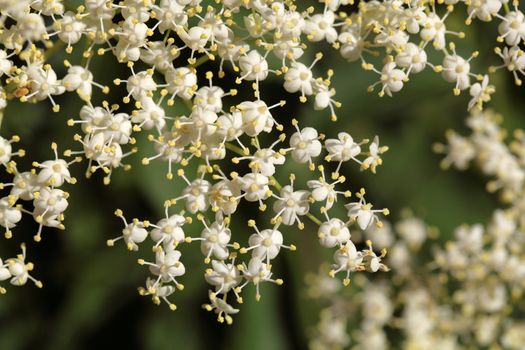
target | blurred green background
[{"x": 89, "y": 299}]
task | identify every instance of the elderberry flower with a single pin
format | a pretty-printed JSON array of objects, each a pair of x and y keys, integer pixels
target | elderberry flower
[
  {"x": 133, "y": 233},
  {"x": 333, "y": 232}
]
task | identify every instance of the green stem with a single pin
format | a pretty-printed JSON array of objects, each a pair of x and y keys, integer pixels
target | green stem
[
  {"x": 167, "y": 36},
  {"x": 277, "y": 185},
  {"x": 234, "y": 148},
  {"x": 201, "y": 60},
  {"x": 314, "y": 219}
]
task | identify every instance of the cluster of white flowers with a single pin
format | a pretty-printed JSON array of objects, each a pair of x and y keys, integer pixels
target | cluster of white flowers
[
  {"x": 41, "y": 187},
  {"x": 163, "y": 43},
  {"x": 466, "y": 293},
  {"x": 214, "y": 201},
  {"x": 486, "y": 146},
  {"x": 169, "y": 40},
  {"x": 16, "y": 270}
]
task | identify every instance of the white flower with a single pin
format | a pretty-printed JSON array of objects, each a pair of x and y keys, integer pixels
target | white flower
[
  {"x": 168, "y": 231},
  {"x": 167, "y": 265},
  {"x": 19, "y": 270},
  {"x": 512, "y": 28},
  {"x": 79, "y": 79},
  {"x": 305, "y": 145},
  {"x": 181, "y": 82},
  {"x": 347, "y": 259},
  {"x": 256, "y": 117},
  {"x": 4, "y": 273},
  {"x": 456, "y": 70},
  {"x": 196, "y": 195},
  {"x": 150, "y": 115},
  {"x": 224, "y": 196},
  {"x": 9, "y": 215},
  {"x": 334, "y": 4},
  {"x": 265, "y": 244},
  {"x": 324, "y": 191},
  {"x": 434, "y": 29},
  {"x": 159, "y": 291},
  {"x": 159, "y": 54},
  {"x": 392, "y": 39},
  {"x": 215, "y": 239},
  {"x": 71, "y": 29},
  {"x": 320, "y": 27},
  {"x": 470, "y": 239},
  {"x": 460, "y": 151},
  {"x": 196, "y": 38},
  {"x": 352, "y": 45},
  {"x": 31, "y": 26},
  {"x": 137, "y": 10},
  {"x": 299, "y": 78},
  {"x": 413, "y": 231},
  {"x": 383, "y": 237},
  {"x": 49, "y": 7},
  {"x": 133, "y": 233},
  {"x": 374, "y": 155},
  {"x": 264, "y": 161},
  {"x": 44, "y": 83},
  {"x": 133, "y": 37},
  {"x": 287, "y": 48},
  {"x": 480, "y": 93},
  {"x": 53, "y": 172},
  {"x": 223, "y": 276},
  {"x": 291, "y": 204},
  {"x": 257, "y": 272},
  {"x": 362, "y": 212},
  {"x": 25, "y": 185},
  {"x": 141, "y": 85},
  {"x": 514, "y": 60},
  {"x": 253, "y": 66},
  {"x": 342, "y": 149},
  {"x": 170, "y": 15},
  {"x": 377, "y": 306},
  {"x": 5, "y": 63},
  {"x": 484, "y": 10},
  {"x": 412, "y": 57},
  {"x": 92, "y": 118},
  {"x": 392, "y": 79},
  {"x": 333, "y": 232},
  {"x": 210, "y": 97},
  {"x": 255, "y": 187},
  {"x": 6, "y": 151},
  {"x": 229, "y": 126},
  {"x": 52, "y": 201},
  {"x": 221, "y": 308}
]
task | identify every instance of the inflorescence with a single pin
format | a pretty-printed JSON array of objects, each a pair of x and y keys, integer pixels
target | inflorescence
[{"x": 163, "y": 44}]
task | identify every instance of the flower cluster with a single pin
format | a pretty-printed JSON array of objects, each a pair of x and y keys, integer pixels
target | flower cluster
[
  {"x": 444, "y": 296},
  {"x": 162, "y": 44},
  {"x": 486, "y": 146},
  {"x": 16, "y": 270},
  {"x": 213, "y": 198},
  {"x": 41, "y": 188},
  {"x": 404, "y": 32}
]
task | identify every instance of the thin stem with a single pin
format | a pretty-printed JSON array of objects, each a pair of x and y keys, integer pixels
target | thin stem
[{"x": 201, "y": 60}]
